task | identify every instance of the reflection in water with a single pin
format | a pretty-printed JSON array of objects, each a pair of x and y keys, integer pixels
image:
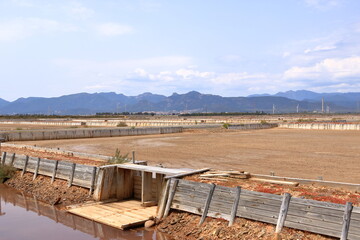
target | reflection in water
[{"x": 23, "y": 217}]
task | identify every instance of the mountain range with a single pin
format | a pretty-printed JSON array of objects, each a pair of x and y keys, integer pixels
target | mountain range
[{"x": 86, "y": 103}]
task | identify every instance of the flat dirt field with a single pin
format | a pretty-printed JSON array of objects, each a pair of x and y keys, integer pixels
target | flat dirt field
[{"x": 334, "y": 155}]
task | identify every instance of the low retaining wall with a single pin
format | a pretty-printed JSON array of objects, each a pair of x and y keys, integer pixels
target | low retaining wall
[
  {"x": 204, "y": 199},
  {"x": 253, "y": 126},
  {"x": 84, "y": 133},
  {"x": 76, "y": 174},
  {"x": 321, "y": 126}
]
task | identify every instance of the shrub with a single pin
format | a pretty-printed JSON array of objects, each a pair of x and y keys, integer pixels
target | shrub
[
  {"x": 226, "y": 125},
  {"x": 6, "y": 172},
  {"x": 121, "y": 124},
  {"x": 119, "y": 158},
  {"x": 263, "y": 122}
]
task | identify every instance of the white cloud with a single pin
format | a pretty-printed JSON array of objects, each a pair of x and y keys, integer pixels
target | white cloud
[
  {"x": 320, "y": 48},
  {"x": 22, "y": 28},
  {"x": 190, "y": 73},
  {"x": 113, "y": 29},
  {"x": 334, "y": 69},
  {"x": 78, "y": 10}
]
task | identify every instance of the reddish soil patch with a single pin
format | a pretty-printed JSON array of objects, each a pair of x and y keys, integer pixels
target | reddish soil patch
[
  {"x": 324, "y": 194},
  {"x": 185, "y": 226},
  {"x": 57, "y": 193}
]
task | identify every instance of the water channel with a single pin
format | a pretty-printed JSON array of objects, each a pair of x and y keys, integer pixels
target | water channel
[{"x": 23, "y": 217}]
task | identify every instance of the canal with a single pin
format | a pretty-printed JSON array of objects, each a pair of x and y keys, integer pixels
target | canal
[{"x": 23, "y": 217}]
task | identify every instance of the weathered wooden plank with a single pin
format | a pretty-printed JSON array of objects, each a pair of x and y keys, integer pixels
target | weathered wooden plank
[
  {"x": 71, "y": 177},
  {"x": 25, "y": 165},
  {"x": 188, "y": 173},
  {"x": 164, "y": 197},
  {"x": 146, "y": 186},
  {"x": 3, "y": 158},
  {"x": 235, "y": 206},
  {"x": 93, "y": 177},
  {"x": 56, "y": 163},
  {"x": 283, "y": 212},
  {"x": 207, "y": 203},
  {"x": 36, "y": 169},
  {"x": 12, "y": 159},
  {"x": 171, "y": 197},
  {"x": 346, "y": 221}
]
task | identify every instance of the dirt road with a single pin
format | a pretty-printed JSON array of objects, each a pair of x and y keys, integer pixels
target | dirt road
[{"x": 334, "y": 155}]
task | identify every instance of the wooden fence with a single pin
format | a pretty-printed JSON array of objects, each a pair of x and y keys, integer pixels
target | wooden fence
[
  {"x": 204, "y": 199},
  {"x": 76, "y": 174}
]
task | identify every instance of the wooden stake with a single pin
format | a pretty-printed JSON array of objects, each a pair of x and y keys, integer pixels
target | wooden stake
[
  {"x": 207, "y": 203},
  {"x": 12, "y": 159},
  {"x": 171, "y": 197},
  {"x": 71, "y": 177},
  {"x": 93, "y": 176},
  {"x": 36, "y": 168},
  {"x": 283, "y": 212},
  {"x": 346, "y": 221},
  {"x": 25, "y": 165},
  {"x": 235, "y": 206},
  {"x": 133, "y": 156},
  {"x": 162, "y": 204},
  {"x": 3, "y": 158}
]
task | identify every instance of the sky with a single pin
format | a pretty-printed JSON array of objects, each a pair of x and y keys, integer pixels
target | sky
[{"x": 228, "y": 47}]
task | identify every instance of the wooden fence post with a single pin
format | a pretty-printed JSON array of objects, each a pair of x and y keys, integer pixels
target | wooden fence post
[
  {"x": 12, "y": 159},
  {"x": 283, "y": 212},
  {"x": 207, "y": 203},
  {"x": 165, "y": 194},
  {"x": 133, "y": 156},
  {"x": 92, "y": 184},
  {"x": 235, "y": 206},
  {"x": 346, "y": 221},
  {"x": 54, "y": 171},
  {"x": 25, "y": 165},
  {"x": 171, "y": 197},
  {"x": 36, "y": 168},
  {"x": 72, "y": 172},
  {"x": 3, "y": 158}
]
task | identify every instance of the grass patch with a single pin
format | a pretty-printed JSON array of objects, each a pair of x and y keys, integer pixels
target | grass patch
[
  {"x": 119, "y": 158},
  {"x": 6, "y": 172},
  {"x": 226, "y": 125},
  {"x": 121, "y": 124}
]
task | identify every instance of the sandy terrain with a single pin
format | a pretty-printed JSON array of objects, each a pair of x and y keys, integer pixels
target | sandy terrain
[{"x": 334, "y": 155}]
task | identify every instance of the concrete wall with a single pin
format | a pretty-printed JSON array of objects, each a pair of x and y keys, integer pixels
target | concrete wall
[
  {"x": 84, "y": 133},
  {"x": 321, "y": 126}
]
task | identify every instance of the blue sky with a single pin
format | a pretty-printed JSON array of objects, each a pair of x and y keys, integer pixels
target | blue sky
[{"x": 229, "y": 47}]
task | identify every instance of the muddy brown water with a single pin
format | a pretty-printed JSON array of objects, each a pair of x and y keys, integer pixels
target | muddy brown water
[{"x": 24, "y": 217}]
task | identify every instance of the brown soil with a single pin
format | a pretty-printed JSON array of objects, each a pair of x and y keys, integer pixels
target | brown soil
[
  {"x": 185, "y": 226},
  {"x": 57, "y": 193},
  {"x": 334, "y": 155},
  {"x": 324, "y": 194}
]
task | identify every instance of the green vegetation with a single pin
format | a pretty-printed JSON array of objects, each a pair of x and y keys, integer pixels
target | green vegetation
[
  {"x": 263, "y": 122},
  {"x": 121, "y": 124},
  {"x": 19, "y": 128},
  {"x": 119, "y": 158},
  {"x": 226, "y": 125},
  {"x": 6, "y": 172}
]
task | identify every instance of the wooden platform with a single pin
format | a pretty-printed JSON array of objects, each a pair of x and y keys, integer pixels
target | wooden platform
[{"x": 122, "y": 215}]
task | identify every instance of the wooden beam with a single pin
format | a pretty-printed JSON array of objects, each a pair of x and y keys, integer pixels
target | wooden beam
[
  {"x": 93, "y": 177},
  {"x": 235, "y": 206},
  {"x": 275, "y": 181},
  {"x": 12, "y": 159},
  {"x": 283, "y": 212},
  {"x": 171, "y": 197},
  {"x": 146, "y": 186},
  {"x": 346, "y": 221},
  {"x": 36, "y": 168},
  {"x": 72, "y": 172},
  {"x": 207, "y": 203},
  {"x": 56, "y": 163},
  {"x": 159, "y": 186},
  {"x": 25, "y": 165},
  {"x": 164, "y": 197},
  {"x": 188, "y": 173}
]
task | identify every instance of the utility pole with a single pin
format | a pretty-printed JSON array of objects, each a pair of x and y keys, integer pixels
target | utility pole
[
  {"x": 297, "y": 108},
  {"x": 273, "y": 108},
  {"x": 322, "y": 105}
]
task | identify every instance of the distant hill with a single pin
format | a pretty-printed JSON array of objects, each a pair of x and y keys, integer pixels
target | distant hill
[
  {"x": 3, "y": 102},
  {"x": 350, "y": 100},
  {"x": 86, "y": 103}
]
